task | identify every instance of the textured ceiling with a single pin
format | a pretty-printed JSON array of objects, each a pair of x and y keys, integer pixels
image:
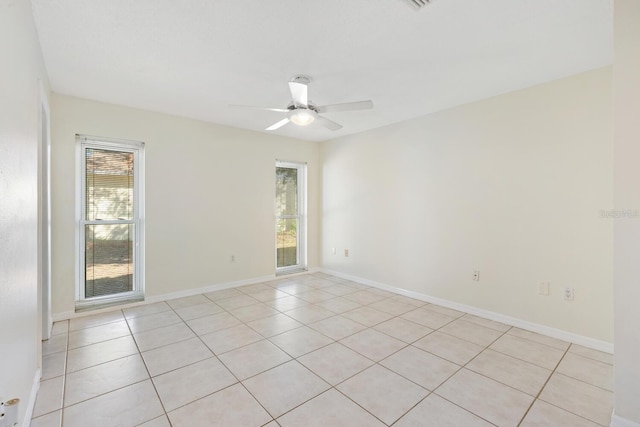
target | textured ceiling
[{"x": 193, "y": 58}]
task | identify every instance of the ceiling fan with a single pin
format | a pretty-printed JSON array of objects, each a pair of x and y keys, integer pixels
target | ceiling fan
[{"x": 303, "y": 112}]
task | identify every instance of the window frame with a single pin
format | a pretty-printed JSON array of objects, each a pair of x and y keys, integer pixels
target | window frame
[
  {"x": 301, "y": 217},
  {"x": 137, "y": 149}
]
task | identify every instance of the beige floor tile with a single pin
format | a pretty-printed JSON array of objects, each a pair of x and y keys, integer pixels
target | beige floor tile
[
  {"x": 393, "y": 306},
  {"x": 55, "y": 344},
  {"x": 200, "y": 310},
  {"x": 252, "y": 289},
  {"x": 236, "y": 302},
  {"x": 153, "y": 321},
  {"x": 577, "y": 397},
  {"x": 373, "y": 344},
  {"x": 222, "y": 294},
  {"x": 209, "y": 324},
  {"x": 542, "y": 414},
  {"x": 231, "y": 338},
  {"x": 422, "y": 368},
  {"x": 96, "y": 380},
  {"x": 428, "y": 318},
  {"x": 287, "y": 303},
  {"x": 488, "y": 399},
  {"x": 253, "y": 312},
  {"x": 412, "y": 301},
  {"x": 53, "y": 419},
  {"x": 335, "y": 363},
  {"x": 274, "y": 325},
  {"x": 588, "y": 370},
  {"x": 309, "y": 314},
  {"x": 94, "y": 354},
  {"x": 60, "y": 327},
  {"x": 342, "y": 413},
  {"x": 364, "y": 297},
  {"x": 187, "y": 384},
  {"x": 338, "y": 305},
  {"x": 95, "y": 320},
  {"x": 449, "y": 347},
  {"x": 315, "y": 296},
  {"x": 471, "y": 332},
  {"x": 340, "y": 290},
  {"x": 146, "y": 309},
  {"x": 174, "y": 356},
  {"x": 513, "y": 372},
  {"x": 444, "y": 310},
  {"x": 187, "y": 301},
  {"x": 253, "y": 359},
  {"x": 529, "y": 351},
  {"x": 600, "y": 356},
  {"x": 300, "y": 341},
  {"x": 383, "y": 292},
  {"x": 98, "y": 334},
  {"x": 53, "y": 365},
  {"x": 403, "y": 329},
  {"x": 155, "y": 338},
  {"x": 367, "y": 316},
  {"x": 162, "y": 421},
  {"x": 295, "y": 288},
  {"x": 383, "y": 393},
  {"x": 233, "y": 406},
  {"x": 435, "y": 411},
  {"x": 133, "y": 405},
  {"x": 269, "y": 294},
  {"x": 283, "y": 388},
  {"x": 49, "y": 397},
  {"x": 486, "y": 322},
  {"x": 541, "y": 339},
  {"x": 337, "y": 327}
]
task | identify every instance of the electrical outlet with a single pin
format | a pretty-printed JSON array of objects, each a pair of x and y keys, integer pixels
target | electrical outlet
[
  {"x": 543, "y": 288},
  {"x": 9, "y": 412},
  {"x": 346, "y": 253},
  {"x": 476, "y": 275},
  {"x": 567, "y": 294},
  {"x": 333, "y": 251},
  {"x": 232, "y": 258}
]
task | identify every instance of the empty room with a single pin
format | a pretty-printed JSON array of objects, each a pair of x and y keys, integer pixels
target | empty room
[{"x": 319, "y": 213}]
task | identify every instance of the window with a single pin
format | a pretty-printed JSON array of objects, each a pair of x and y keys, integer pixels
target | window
[
  {"x": 291, "y": 221},
  {"x": 110, "y": 225}
]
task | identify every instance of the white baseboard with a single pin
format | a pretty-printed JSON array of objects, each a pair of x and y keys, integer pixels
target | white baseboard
[
  {"x": 491, "y": 315},
  {"x": 31, "y": 404},
  {"x": 617, "y": 421},
  {"x": 179, "y": 294}
]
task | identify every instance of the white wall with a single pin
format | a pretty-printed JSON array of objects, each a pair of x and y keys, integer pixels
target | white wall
[
  {"x": 626, "y": 84},
  {"x": 210, "y": 193},
  {"x": 512, "y": 186},
  {"x": 19, "y": 105}
]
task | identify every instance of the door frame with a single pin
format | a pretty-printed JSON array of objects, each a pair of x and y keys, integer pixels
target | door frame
[{"x": 44, "y": 213}]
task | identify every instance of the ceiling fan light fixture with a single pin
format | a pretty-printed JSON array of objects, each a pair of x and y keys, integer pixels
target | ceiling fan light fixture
[{"x": 302, "y": 116}]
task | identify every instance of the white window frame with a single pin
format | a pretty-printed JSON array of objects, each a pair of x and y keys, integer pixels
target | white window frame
[
  {"x": 137, "y": 148},
  {"x": 301, "y": 218}
]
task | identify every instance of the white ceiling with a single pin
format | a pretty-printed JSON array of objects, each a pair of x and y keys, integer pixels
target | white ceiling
[{"x": 193, "y": 58}]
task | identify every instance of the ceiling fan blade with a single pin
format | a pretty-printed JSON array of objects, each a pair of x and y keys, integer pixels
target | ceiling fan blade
[
  {"x": 279, "y": 110},
  {"x": 298, "y": 94},
  {"x": 347, "y": 106},
  {"x": 329, "y": 124},
  {"x": 278, "y": 125}
]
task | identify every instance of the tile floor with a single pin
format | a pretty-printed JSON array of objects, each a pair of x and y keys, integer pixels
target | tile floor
[{"x": 313, "y": 350}]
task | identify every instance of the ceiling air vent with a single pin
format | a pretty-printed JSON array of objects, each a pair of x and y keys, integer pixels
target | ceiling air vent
[{"x": 419, "y": 4}]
